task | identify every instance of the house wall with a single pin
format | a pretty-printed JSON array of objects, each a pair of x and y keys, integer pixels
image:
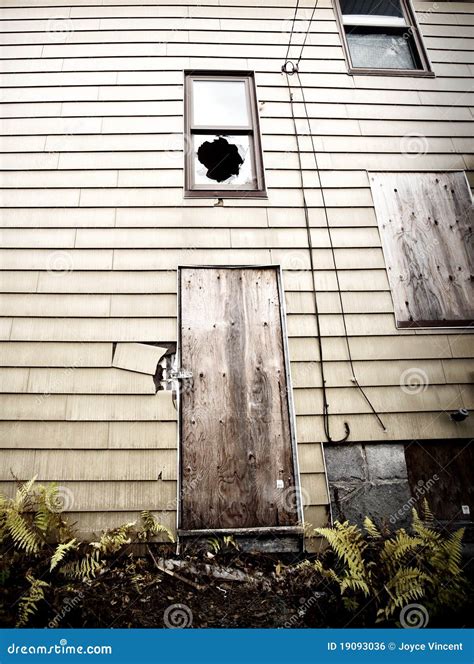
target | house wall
[{"x": 94, "y": 225}]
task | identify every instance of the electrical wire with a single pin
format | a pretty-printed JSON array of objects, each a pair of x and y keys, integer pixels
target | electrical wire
[
  {"x": 326, "y": 426},
  {"x": 292, "y": 28},
  {"x": 307, "y": 32},
  {"x": 289, "y": 68},
  {"x": 331, "y": 244}
]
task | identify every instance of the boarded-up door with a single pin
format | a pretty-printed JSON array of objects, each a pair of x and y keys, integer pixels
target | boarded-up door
[{"x": 237, "y": 449}]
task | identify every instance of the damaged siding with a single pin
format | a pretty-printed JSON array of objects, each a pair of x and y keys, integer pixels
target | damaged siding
[{"x": 95, "y": 224}]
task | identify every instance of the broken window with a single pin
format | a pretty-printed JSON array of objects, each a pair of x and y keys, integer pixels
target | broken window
[
  {"x": 381, "y": 35},
  {"x": 224, "y": 154}
]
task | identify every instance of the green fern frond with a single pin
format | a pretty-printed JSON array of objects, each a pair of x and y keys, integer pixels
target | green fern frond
[
  {"x": 151, "y": 527},
  {"x": 28, "y": 604},
  {"x": 371, "y": 528},
  {"x": 113, "y": 540},
  {"x": 85, "y": 568},
  {"x": 398, "y": 546},
  {"x": 61, "y": 551},
  {"x": 23, "y": 536},
  {"x": 428, "y": 516}
]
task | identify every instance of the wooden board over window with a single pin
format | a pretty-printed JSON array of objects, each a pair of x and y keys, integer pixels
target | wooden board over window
[{"x": 425, "y": 222}]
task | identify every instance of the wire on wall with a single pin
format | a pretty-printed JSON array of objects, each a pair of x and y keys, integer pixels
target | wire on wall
[{"x": 289, "y": 68}]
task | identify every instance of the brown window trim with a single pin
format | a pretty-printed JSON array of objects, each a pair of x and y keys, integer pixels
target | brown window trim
[
  {"x": 253, "y": 131},
  {"x": 410, "y": 17}
]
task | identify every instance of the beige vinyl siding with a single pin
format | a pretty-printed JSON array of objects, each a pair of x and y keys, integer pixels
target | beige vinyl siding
[{"x": 94, "y": 225}]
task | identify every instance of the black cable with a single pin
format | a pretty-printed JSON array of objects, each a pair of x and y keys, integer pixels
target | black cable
[
  {"x": 292, "y": 28},
  {"x": 346, "y": 335},
  {"x": 315, "y": 299},
  {"x": 307, "y": 32}
]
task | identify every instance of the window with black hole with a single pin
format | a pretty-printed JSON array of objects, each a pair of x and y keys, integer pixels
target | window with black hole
[
  {"x": 223, "y": 156},
  {"x": 381, "y": 35}
]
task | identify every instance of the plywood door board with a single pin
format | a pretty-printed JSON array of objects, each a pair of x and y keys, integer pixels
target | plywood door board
[{"x": 235, "y": 424}]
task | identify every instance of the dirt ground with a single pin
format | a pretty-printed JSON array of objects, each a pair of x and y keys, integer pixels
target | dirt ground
[{"x": 196, "y": 590}]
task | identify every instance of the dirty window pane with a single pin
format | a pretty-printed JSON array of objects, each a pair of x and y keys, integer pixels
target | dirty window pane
[
  {"x": 220, "y": 104},
  {"x": 372, "y": 7},
  {"x": 380, "y": 51},
  {"x": 223, "y": 160}
]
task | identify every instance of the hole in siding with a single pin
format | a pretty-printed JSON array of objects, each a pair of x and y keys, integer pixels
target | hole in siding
[
  {"x": 164, "y": 366},
  {"x": 221, "y": 158}
]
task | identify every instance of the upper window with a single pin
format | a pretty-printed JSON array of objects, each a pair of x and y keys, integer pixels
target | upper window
[
  {"x": 425, "y": 222},
  {"x": 224, "y": 155},
  {"x": 381, "y": 35}
]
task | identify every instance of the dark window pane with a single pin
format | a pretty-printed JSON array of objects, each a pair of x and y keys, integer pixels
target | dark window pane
[
  {"x": 380, "y": 51},
  {"x": 374, "y": 7}
]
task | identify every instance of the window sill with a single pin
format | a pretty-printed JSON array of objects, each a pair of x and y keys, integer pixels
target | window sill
[
  {"x": 418, "y": 73},
  {"x": 206, "y": 193}
]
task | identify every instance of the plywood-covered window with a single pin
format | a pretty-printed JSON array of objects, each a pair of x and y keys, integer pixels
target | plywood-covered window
[
  {"x": 425, "y": 222},
  {"x": 381, "y": 36},
  {"x": 223, "y": 156}
]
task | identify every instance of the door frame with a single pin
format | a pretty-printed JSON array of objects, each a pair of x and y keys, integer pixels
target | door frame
[{"x": 291, "y": 407}]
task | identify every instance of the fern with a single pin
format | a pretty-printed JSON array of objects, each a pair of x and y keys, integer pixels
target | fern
[
  {"x": 370, "y": 527},
  {"x": 151, "y": 527},
  {"x": 23, "y": 536},
  {"x": 61, "y": 552},
  {"x": 28, "y": 604},
  {"x": 395, "y": 570},
  {"x": 85, "y": 568}
]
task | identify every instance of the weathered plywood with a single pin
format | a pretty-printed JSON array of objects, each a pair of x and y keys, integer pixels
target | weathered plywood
[
  {"x": 425, "y": 221},
  {"x": 236, "y": 440}
]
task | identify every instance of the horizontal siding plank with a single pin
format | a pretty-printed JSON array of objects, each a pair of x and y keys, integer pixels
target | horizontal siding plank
[
  {"x": 87, "y": 465},
  {"x": 385, "y": 399},
  {"x": 113, "y": 496},
  {"x": 400, "y": 426},
  {"x": 88, "y": 408},
  {"x": 87, "y": 435},
  {"x": 52, "y": 435},
  {"x": 36, "y": 354}
]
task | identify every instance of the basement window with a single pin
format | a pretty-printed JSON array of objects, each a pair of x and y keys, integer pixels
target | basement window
[
  {"x": 381, "y": 36},
  {"x": 223, "y": 156}
]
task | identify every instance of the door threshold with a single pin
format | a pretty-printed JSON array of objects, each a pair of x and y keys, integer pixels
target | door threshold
[
  {"x": 284, "y": 539},
  {"x": 263, "y": 530}
]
